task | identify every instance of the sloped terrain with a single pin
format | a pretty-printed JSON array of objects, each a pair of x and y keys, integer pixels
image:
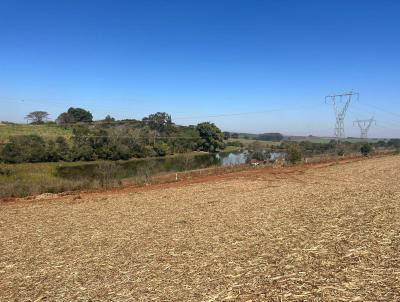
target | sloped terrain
[{"x": 322, "y": 234}]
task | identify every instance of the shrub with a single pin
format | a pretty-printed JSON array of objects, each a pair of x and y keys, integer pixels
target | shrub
[
  {"x": 161, "y": 148},
  {"x": 341, "y": 152},
  {"x": 366, "y": 149},
  {"x": 24, "y": 148},
  {"x": 294, "y": 153}
]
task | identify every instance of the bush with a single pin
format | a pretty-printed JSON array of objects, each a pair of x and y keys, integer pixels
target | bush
[
  {"x": 259, "y": 155},
  {"x": 24, "y": 148},
  {"x": 161, "y": 148},
  {"x": 294, "y": 153},
  {"x": 341, "y": 152},
  {"x": 366, "y": 149},
  {"x": 83, "y": 153}
]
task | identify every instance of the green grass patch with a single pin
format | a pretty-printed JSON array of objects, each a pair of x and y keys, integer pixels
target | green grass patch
[
  {"x": 46, "y": 131},
  {"x": 17, "y": 180},
  {"x": 248, "y": 142}
]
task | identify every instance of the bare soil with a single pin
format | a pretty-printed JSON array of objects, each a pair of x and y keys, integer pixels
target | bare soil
[{"x": 322, "y": 232}]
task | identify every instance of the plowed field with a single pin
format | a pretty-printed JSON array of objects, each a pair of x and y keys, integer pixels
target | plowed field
[{"x": 315, "y": 234}]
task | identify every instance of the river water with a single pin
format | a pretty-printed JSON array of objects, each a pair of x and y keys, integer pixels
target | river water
[{"x": 153, "y": 166}]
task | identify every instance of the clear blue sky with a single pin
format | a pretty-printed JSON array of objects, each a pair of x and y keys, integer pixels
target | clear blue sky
[{"x": 199, "y": 58}]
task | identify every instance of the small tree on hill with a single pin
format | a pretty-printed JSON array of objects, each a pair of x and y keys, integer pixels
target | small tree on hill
[
  {"x": 158, "y": 121},
  {"x": 80, "y": 115},
  {"x": 37, "y": 117},
  {"x": 109, "y": 119},
  {"x": 64, "y": 119},
  {"x": 74, "y": 115}
]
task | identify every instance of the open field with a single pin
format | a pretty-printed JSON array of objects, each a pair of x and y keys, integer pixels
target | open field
[
  {"x": 321, "y": 233},
  {"x": 47, "y": 131},
  {"x": 248, "y": 142},
  {"x": 326, "y": 140}
]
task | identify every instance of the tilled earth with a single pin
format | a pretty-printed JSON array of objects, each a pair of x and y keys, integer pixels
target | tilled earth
[{"x": 321, "y": 234}]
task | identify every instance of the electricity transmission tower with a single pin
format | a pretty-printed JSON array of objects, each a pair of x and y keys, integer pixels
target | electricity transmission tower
[
  {"x": 340, "y": 104},
  {"x": 364, "y": 126}
]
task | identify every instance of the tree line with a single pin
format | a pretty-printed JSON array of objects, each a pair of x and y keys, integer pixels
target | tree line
[{"x": 108, "y": 139}]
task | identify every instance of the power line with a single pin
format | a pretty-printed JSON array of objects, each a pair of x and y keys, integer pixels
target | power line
[
  {"x": 364, "y": 126},
  {"x": 390, "y": 121},
  {"x": 250, "y": 112},
  {"x": 340, "y": 111},
  {"x": 383, "y": 110}
]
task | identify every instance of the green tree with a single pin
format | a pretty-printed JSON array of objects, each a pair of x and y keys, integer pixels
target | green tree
[
  {"x": 37, "y": 117},
  {"x": 109, "y": 119},
  {"x": 80, "y": 115},
  {"x": 257, "y": 151},
  {"x": 62, "y": 148},
  {"x": 74, "y": 115},
  {"x": 64, "y": 119},
  {"x": 212, "y": 139},
  {"x": 294, "y": 153},
  {"x": 159, "y": 121},
  {"x": 366, "y": 149},
  {"x": 161, "y": 148}
]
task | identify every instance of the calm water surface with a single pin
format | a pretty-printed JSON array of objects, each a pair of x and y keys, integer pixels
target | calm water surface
[
  {"x": 136, "y": 167},
  {"x": 152, "y": 166}
]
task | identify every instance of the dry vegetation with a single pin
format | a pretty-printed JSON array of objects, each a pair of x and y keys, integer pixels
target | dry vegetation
[{"x": 327, "y": 234}]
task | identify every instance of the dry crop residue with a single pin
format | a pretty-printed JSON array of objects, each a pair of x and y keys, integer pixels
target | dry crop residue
[{"x": 327, "y": 234}]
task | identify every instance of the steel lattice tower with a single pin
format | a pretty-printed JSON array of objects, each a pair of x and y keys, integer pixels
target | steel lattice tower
[
  {"x": 340, "y": 104},
  {"x": 364, "y": 126}
]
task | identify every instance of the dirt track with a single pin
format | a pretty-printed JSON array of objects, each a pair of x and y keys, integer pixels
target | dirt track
[{"x": 327, "y": 234}]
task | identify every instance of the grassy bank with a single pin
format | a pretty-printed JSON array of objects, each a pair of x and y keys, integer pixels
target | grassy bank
[
  {"x": 47, "y": 130},
  {"x": 18, "y": 180},
  {"x": 34, "y": 178}
]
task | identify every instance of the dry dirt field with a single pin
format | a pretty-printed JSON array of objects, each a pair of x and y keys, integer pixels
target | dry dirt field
[{"x": 313, "y": 234}]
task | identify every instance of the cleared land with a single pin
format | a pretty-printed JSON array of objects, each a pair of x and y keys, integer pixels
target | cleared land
[{"x": 318, "y": 234}]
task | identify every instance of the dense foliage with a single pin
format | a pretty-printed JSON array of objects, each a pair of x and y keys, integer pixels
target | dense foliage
[
  {"x": 294, "y": 153},
  {"x": 74, "y": 115},
  {"x": 212, "y": 139},
  {"x": 273, "y": 137},
  {"x": 366, "y": 149},
  {"x": 155, "y": 135}
]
